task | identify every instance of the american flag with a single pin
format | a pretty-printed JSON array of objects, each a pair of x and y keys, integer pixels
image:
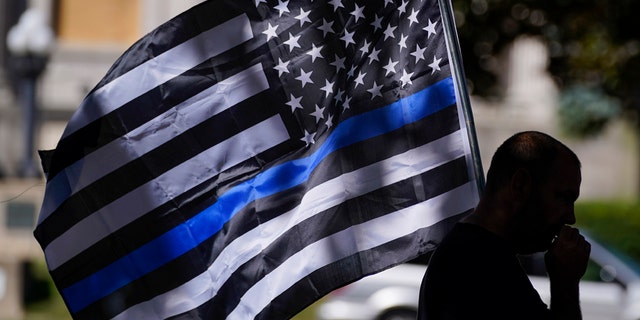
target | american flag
[{"x": 247, "y": 157}]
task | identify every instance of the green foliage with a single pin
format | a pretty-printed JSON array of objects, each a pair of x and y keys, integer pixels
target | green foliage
[
  {"x": 585, "y": 111},
  {"x": 35, "y": 285},
  {"x": 51, "y": 309},
  {"x": 591, "y": 42},
  {"x": 613, "y": 223}
]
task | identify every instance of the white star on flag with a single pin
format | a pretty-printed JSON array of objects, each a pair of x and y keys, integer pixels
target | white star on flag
[
  {"x": 308, "y": 138},
  {"x": 390, "y": 67},
  {"x": 336, "y": 4},
  {"x": 402, "y": 44},
  {"x": 282, "y": 7},
  {"x": 360, "y": 78},
  {"x": 271, "y": 31},
  {"x": 282, "y": 67},
  {"x": 315, "y": 53},
  {"x": 328, "y": 88},
  {"x": 303, "y": 17},
  {"x": 357, "y": 12},
  {"x": 435, "y": 65},
  {"x": 338, "y": 63},
  {"x": 292, "y": 42},
  {"x": 326, "y": 27},
  {"x": 304, "y": 77},
  {"x": 413, "y": 17},
  {"x": 294, "y": 103},
  {"x": 347, "y": 103},
  {"x": 365, "y": 47},
  {"x": 375, "y": 90},
  {"x": 339, "y": 95},
  {"x": 388, "y": 32},
  {"x": 406, "y": 78},
  {"x": 318, "y": 114},
  {"x": 418, "y": 53},
  {"x": 403, "y": 7},
  {"x": 377, "y": 23},
  {"x": 351, "y": 72},
  {"x": 431, "y": 28},
  {"x": 348, "y": 38},
  {"x": 373, "y": 56},
  {"x": 329, "y": 122}
]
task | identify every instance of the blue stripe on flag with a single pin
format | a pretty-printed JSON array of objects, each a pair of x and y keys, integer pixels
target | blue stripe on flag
[{"x": 207, "y": 223}]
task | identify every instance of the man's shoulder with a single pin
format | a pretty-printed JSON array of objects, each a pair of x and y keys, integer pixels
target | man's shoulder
[
  {"x": 469, "y": 244},
  {"x": 467, "y": 235}
]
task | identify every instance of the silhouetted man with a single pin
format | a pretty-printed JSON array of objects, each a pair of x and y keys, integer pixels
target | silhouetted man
[{"x": 527, "y": 207}]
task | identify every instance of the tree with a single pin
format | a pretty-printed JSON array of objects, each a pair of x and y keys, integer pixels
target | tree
[{"x": 594, "y": 46}]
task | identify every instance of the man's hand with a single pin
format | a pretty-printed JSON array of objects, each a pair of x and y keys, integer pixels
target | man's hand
[
  {"x": 566, "y": 263},
  {"x": 568, "y": 256}
]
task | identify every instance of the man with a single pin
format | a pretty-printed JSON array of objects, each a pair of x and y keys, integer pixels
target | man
[{"x": 528, "y": 203}]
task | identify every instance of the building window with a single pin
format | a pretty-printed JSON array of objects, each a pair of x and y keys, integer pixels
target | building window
[{"x": 20, "y": 215}]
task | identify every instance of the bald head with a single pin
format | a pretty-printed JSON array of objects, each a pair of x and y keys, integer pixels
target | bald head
[{"x": 533, "y": 151}]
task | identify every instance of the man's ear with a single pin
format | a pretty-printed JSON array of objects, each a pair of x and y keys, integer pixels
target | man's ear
[{"x": 521, "y": 185}]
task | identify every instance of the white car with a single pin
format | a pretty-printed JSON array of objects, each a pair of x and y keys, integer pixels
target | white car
[{"x": 609, "y": 290}]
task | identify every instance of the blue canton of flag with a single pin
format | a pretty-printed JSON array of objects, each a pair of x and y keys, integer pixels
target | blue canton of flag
[{"x": 247, "y": 157}]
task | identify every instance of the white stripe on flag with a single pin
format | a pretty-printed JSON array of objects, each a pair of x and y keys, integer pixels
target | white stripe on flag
[
  {"x": 154, "y": 133},
  {"x": 322, "y": 197},
  {"x": 165, "y": 187},
  {"x": 367, "y": 235},
  {"x": 161, "y": 69}
]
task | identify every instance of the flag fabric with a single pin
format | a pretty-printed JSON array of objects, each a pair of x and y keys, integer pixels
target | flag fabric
[{"x": 247, "y": 157}]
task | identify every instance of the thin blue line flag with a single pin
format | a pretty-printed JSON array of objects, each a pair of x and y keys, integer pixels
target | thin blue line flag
[{"x": 247, "y": 157}]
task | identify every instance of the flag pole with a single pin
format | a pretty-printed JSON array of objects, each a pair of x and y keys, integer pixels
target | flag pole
[{"x": 449, "y": 27}]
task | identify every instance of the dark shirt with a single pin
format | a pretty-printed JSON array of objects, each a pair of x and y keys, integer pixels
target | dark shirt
[{"x": 474, "y": 274}]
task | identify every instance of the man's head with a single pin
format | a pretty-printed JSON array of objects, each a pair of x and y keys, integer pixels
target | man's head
[
  {"x": 541, "y": 177},
  {"x": 530, "y": 150}
]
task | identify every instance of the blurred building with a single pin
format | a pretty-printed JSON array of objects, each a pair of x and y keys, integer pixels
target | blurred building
[
  {"x": 91, "y": 35},
  {"x": 610, "y": 166}
]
